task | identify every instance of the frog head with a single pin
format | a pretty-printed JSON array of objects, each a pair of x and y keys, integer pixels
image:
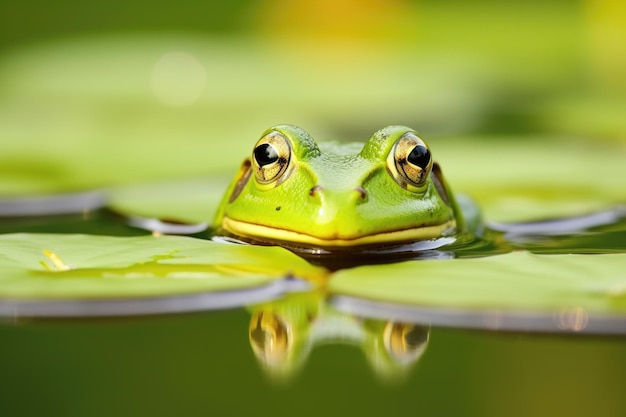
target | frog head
[{"x": 293, "y": 192}]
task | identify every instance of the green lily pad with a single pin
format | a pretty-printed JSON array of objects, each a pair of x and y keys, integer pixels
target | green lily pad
[
  {"x": 190, "y": 201},
  {"x": 517, "y": 282},
  {"x": 528, "y": 178},
  {"x": 594, "y": 115},
  {"x": 48, "y": 266}
]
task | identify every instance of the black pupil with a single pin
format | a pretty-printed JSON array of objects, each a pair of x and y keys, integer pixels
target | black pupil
[
  {"x": 265, "y": 154},
  {"x": 419, "y": 156}
]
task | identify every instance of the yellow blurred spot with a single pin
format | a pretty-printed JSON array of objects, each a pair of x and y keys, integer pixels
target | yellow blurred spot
[
  {"x": 340, "y": 39},
  {"x": 57, "y": 263},
  {"x": 337, "y": 35},
  {"x": 606, "y": 35},
  {"x": 334, "y": 19},
  {"x": 178, "y": 79}
]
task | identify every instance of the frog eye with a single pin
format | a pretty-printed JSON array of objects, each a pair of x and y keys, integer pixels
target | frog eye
[
  {"x": 410, "y": 162},
  {"x": 270, "y": 336},
  {"x": 270, "y": 158},
  {"x": 405, "y": 342}
]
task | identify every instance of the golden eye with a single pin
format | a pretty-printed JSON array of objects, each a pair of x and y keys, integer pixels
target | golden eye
[
  {"x": 271, "y": 157},
  {"x": 269, "y": 336},
  {"x": 410, "y": 162},
  {"x": 405, "y": 342}
]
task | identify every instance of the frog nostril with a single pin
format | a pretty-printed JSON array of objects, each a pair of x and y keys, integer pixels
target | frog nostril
[
  {"x": 313, "y": 191},
  {"x": 361, "y": 192}
]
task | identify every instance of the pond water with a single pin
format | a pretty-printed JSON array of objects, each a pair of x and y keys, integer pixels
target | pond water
[
  {"x": 202, "y": 364},
  {"x": 305, "y": 355}
]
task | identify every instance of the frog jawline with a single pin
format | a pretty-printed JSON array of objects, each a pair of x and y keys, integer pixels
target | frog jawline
[{"x": 257, "y": 231}]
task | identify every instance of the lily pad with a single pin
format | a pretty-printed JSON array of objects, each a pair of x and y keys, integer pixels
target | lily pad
[
  {"x": 61, "y": 267},
  {"x": 515, "y": 282},
  {"x": 532, "y": 177},
  {"x": 191, "y": 201}
]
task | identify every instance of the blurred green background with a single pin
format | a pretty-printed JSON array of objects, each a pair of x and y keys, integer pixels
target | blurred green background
[{"x": 101, "y": 94}]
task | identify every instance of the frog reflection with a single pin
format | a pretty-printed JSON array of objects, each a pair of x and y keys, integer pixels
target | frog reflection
[{"x": 283, "y": 333}]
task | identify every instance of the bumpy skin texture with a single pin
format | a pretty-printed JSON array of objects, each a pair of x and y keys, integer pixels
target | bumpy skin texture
[{"x": 338, "y": 195}]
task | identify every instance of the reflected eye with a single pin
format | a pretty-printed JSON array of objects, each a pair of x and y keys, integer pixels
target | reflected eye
[
  {"x": 410, "y": 162},
  {"x": 405, "y": 342},
  {"x": 271, "y": 157},
  {"x": 269, "y": 336}
]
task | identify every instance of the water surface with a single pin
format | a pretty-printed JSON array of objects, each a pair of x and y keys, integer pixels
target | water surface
[{"x": 339, "y": 363}]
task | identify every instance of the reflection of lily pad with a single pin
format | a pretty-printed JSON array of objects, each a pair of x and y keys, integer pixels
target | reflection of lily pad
[
  {"x": 99, "y": 267},
  {"x": 518, "y": 281}
]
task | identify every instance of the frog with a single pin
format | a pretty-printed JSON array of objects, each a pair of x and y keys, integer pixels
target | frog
[{"x": 334, "y": 196}]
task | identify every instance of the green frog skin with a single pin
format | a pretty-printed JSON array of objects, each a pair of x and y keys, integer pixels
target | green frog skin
[{"x": 296, "y": 193}]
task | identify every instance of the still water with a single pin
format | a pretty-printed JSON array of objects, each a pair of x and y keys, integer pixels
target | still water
[
  {"x": 305, "y": 355},
  {"x": 203, "y": 364}
]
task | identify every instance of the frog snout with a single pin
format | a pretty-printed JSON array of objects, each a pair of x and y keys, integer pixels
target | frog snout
[
  {"x": 336, "y": 209},
  {"x": 356, "y": 193}
]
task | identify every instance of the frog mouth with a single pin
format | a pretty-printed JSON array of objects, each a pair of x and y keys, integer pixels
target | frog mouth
[{"x": 271, "y": 234}]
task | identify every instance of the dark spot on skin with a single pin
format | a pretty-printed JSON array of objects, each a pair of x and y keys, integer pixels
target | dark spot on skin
[
  {"x": 278, "y": 208},
  {"x": 315, "y": 189}
]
